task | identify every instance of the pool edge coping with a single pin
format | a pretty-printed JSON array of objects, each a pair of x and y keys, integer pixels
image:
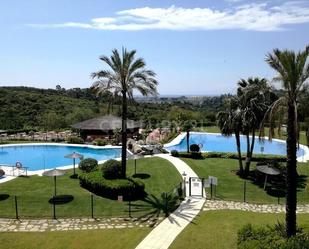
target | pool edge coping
[
  {"x": 65, "y": 167},
  {"x": 177, "y": 140}
]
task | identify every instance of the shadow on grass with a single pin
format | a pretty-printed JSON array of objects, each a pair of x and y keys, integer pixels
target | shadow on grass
[
  {"x": 61, "y": 199},
  {"x": 153, "y": 207},
  {"x": 276, "y": 185},
  {"x": 141, "y": 176},
  {"x": 74, "y": 176},
  {"x": 24, "y": 176},
  {"x": 3, "y": 197}
]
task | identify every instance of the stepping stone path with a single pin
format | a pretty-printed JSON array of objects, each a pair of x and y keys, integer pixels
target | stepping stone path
[
  {"x": 258, "y": 208},
  {"x": 44, "y": 225}
]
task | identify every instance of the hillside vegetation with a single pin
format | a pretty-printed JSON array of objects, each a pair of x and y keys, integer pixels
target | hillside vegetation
[{"x": 48, "y": 109}]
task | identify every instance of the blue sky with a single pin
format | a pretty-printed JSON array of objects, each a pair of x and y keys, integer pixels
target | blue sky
[{"x": 195, "y": 47}]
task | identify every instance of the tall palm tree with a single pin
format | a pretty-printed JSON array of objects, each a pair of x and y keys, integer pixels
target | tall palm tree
[
  {"x": 126, "y": 74},
  {"x": 293, "y": 73},
  {"x": 229, "y": 122},
  {"x": 187, "y": 126},
  {"x": 255, "y": 96}
]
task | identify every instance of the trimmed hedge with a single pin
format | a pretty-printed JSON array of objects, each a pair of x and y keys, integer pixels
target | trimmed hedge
[
  {"x": 194, "y": 155},
  {"x": 111, "y": 169},
  {"x": 270, "y": 238},
  {"x": 75, "y": 140},
  {"x": 255, "y": 158},
  {"x": 88, "y": 165},
  {"x": 128, "y": 188}
]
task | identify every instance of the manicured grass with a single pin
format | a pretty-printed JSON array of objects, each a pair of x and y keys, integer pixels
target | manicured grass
[
  {"x": 91, "y": 239},
  {"x": 218, "y": 229},
  {"x": 34, "y": 192},
  {"x": 231, "y": 187}
]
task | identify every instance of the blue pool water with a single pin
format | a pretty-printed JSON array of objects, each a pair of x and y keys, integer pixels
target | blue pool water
[
  {"x": 219, "y": 143},
  {"x": 38, "y": 157}
]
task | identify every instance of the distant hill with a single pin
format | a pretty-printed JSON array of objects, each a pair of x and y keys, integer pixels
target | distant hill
[{"x": 49, "y": 109}]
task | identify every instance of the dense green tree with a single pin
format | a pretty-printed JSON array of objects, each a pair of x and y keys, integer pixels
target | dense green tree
[{"x": 125, "y": 75}]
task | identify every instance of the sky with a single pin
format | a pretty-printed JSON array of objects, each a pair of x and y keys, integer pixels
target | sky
[{"x": 196, "y": 47}]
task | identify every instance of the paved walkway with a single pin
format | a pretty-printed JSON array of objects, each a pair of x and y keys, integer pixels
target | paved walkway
[
  {"x": 43, "y": 225},
  {"x": 162, "y": 236},
  {"x": 258, "y": 208}
]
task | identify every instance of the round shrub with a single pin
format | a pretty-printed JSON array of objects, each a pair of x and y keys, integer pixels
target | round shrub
[
  {"x": 2, "y": 173},
  {"x": 111, "y": 169},
  {"x": 175, "y": 153},
  {"x": 99, "y": 142},
  {"x": 75, "y": 140},
  {"x": 194, "y": 148},
  {"x": 130, "y": 189},
  {"x": 88, "y": 165}
]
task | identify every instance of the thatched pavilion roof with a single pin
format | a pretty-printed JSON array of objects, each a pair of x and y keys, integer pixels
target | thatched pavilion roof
[{"x": 105, "y": 123}]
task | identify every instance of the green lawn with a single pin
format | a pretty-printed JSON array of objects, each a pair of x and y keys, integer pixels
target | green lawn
[
  {"x": 34, "y": 192},
  {"x": 230, "y": 186},
  {"x": 218, "y": 229},
  {"x": 91, "y": 239},
  {"x": 215, "y": 129}
]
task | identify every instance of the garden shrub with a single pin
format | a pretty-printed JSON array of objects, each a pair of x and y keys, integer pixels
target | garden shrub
[
  {"x": 88, "y": 165},
  {"x": 128, "y": 188},
  {"x": 57, "y": 140},
  {"x": 194, "y": 148},
  {"x": 194, "y": 155},
  {"x": 228, "y": 155},
  {"x": 111, "y": 169},
  {"x": 255, "y": 158},
  {"x": 75, "y": 140},
  {"x": 270, "y": 237},
  {"x": 2, "y": 173},
  {"x": 99, "y": 142},
  {"x": 175, "y": 153}
]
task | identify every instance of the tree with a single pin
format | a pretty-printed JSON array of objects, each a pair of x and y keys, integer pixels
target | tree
[
  {"x": 229, "y": 122},
  {"x": 293, "y": 73},
  {"x": 125, "y": 75},
  {"x": 254, "y": 98},
  {"x": 187, "y": 126}
]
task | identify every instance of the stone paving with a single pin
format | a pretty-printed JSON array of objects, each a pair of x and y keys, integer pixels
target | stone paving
[
  {"x": 258, "y": 208},
  {"x": 44, "y": 225}
]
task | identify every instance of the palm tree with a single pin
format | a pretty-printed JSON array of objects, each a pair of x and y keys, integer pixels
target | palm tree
[
  {"x": 255, "y": 96},
  {"x": 293, "y": 73},
  {"x": 125, "y": 75},
  {"x": 230, "y": 122},
  {"x": 187, "y": 126}
]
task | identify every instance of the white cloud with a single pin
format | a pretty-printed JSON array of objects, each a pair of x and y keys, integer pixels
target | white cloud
[
  {"x": 233, "y": 1},
  {"x": 256, "y": 17}
]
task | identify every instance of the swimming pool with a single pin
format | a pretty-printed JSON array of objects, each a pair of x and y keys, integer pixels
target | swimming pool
[
  {"x": 217, "y": 143},
  {"x": 48, "y": 156}
]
